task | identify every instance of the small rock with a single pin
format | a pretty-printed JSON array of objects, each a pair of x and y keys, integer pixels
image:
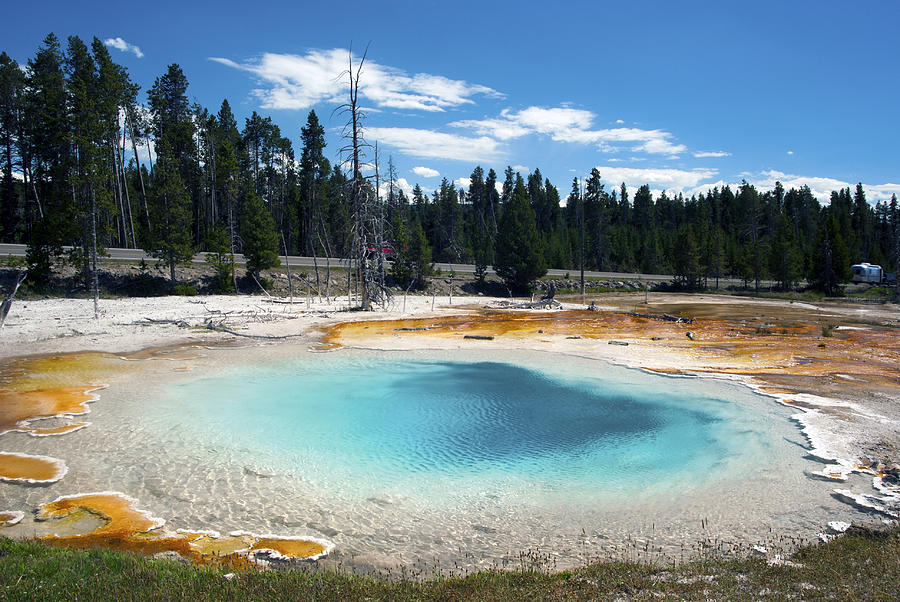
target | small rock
[
  {"x": 689, "y": 334},
  {"x": 171, "y": 555},
  {"x": 229, "y": 576},
  {"x": 838, "y": 526}
]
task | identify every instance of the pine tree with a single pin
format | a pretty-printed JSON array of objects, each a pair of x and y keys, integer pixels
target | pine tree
[
  {"x": 259, "y": 235},
  {"x": 785, "y": 261},
  {"x": 831, "y": 263},
  {"x": 687, "y": 259},
  {"x": 221, "y": 259},
  {"x": 46, "y": 160},
  {"x": 482, "y": 232},
  {"x": 12, "y": 83},
  {"x": 170, "y": 212},
  {"x": 173, "y": 127},
  {"x": 519, "y": 255}
]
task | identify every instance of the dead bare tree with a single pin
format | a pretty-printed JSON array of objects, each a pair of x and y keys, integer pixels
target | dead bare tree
[
  {"x": 379, "y": 224},
  {"x": 366, "y": 219},
  {"x": 353, "y": 152}
]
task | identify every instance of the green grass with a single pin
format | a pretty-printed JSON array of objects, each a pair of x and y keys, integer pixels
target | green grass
[{"x": 859, "y": 566}]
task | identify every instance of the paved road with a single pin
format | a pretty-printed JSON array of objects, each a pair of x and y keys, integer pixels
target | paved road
[{"x": 464, "y": 268}]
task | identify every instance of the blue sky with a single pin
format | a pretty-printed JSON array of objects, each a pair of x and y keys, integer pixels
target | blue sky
[{"x": 681, "y": 95}]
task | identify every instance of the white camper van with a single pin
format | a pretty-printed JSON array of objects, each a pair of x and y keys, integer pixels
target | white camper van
[{"x": 866, "y": 272}]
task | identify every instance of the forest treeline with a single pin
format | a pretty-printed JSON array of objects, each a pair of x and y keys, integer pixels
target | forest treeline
[{"x": 74, "y": 129}]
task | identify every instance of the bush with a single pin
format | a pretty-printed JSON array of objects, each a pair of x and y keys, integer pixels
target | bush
[
  {"x": 184, "y": 290},
  {"x": 13, "y": 261}
]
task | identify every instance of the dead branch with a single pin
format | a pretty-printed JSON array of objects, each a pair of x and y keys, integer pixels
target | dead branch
[
  {"x": 542, "y": 304},
  {"x": 663, "y": 318},
  {"x": 7, "y": 303},
  {"x": 219, "y": 328}
]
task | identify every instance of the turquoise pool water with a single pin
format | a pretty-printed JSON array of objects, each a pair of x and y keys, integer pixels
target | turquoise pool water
[{"x": 418, "y": 426}]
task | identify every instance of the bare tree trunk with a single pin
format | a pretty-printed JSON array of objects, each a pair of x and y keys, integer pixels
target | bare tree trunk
[
  {"x": 212, "y": 160},
  {"x": 7, "y": 303},
  {"x": 122, "y": 231},
  {"x": 37, "y": 199},
  {"x": 96, "y": 284},
  {"x": 581, "y": 218},
  {"x": 124, "y": 181},
  {"x": 288, "y": 266},
  {"x": 137, "y": 161},
  {"x": 360, "y": 203},
  {"x": 379, "y": 227},
  {"x": 149, "y": 156},
  {"x": 231, "y": 242},
  {"x": 327, "y": 248}
]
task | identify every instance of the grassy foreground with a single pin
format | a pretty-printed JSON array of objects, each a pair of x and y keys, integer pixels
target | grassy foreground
[{"x": 863, "y": 565}]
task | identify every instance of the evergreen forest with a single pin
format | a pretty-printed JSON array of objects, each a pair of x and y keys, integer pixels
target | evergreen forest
[{"x": 89, "y": 160}]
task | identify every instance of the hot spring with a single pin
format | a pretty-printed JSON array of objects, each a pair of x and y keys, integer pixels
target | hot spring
[{"x": 454, "y": 458}]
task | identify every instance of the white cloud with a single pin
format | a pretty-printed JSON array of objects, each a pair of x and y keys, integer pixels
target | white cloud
[
  {"x": 437, "y": 145},
  {"x": 620, "y": 121},
  {"x": 463, "y": 182},
  {"x": 401, "y": 183},
  {"x": 648, "y": 141},
  {"x": 426, "y": 172},
  {"x": 120, "y": 44},
  {"x": 711, "y": 154},
  {"x": 290, "y": 81},
  {"x": 565, "y": 124},
  {"x": 670, "y": 180},
  {"x": 821, "y": 187},
  {"x": 790, "y": 152},
  {"x": 521, "y": 169}
]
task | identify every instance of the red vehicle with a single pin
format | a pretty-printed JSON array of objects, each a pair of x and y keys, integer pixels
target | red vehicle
[{"x": 388, "y": 248}]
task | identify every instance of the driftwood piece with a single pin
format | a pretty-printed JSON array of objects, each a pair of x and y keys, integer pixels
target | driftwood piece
[
  {"x": 220, "y": 328},
  {"x": 7, "y": 303},
  {"x": 261, "y": 287},
  {"x": 542, "y": 304},
  {"x": 181, "y": 322},
  {"x": 479, "y": 337},
  {"x": 663, "y": 317}
]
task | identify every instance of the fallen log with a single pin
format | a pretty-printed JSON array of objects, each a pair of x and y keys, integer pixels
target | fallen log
[
  {"x": 542, "y": 304},
  {"x": 662, "y": 317},
  {"x": 479, "y": 337},
  {"x": 219, "y": 328}
]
